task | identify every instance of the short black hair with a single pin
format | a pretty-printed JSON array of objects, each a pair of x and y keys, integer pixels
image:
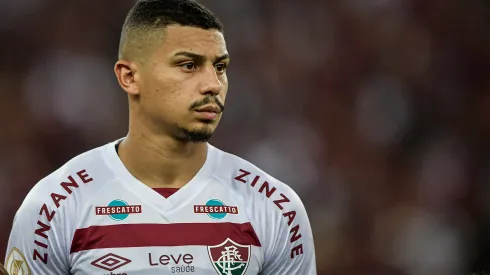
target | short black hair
[{"x": 150, "y": 15}]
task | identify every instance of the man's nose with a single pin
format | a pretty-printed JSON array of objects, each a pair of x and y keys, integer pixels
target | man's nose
[{"x": 211, "y": 83}]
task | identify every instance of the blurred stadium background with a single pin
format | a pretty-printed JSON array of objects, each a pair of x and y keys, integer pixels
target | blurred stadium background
[{"x": 377, "y": 112}]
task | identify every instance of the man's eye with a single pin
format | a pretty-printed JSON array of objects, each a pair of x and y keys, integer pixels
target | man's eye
[
  {"x": 189, "y": 66},
  {"x": 220, "y": 68}
]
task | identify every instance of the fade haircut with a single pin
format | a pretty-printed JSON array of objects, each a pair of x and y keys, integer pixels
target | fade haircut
[{"x": 147, "y": 20}]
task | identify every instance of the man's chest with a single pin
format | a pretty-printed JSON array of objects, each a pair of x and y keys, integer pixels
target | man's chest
[
  {"x": 226, "y": 258},
  {"x": 125, "y": 234}
]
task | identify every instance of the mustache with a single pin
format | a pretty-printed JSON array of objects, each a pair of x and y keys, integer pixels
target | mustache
[{"x": 205, "y": 101}]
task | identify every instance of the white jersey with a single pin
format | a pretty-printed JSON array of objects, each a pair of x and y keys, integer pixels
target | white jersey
[{"x": 93, "y": 217}]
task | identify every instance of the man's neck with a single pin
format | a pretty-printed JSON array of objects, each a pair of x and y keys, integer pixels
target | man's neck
[{"x": 162, "y": 161}]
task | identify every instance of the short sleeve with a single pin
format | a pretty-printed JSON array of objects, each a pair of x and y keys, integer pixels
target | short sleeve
[
  {"x": 35, "y": 244},
  {"x": 292, "y": 251}
]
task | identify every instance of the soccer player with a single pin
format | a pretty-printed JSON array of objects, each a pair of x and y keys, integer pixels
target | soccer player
[{"x": 162, "y": 200}]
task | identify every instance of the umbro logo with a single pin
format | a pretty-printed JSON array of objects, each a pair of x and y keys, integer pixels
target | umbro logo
[{"x": 110, "y": 262}]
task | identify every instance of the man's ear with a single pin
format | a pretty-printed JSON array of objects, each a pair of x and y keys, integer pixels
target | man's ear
[{"x": 127, "y": 74}]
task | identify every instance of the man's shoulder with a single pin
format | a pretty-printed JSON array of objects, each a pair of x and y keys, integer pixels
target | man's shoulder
[
  {"x": 255, "y": 182},
  {"x": 68, "y": 178}
]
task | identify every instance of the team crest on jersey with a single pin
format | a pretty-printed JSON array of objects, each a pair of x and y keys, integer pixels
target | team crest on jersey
[
  {"x": 16, "y": 263},
  {"x": 215, "y": 209},
  {"x": 117, "y": 210},
  {"x": 229, "y": 257}
]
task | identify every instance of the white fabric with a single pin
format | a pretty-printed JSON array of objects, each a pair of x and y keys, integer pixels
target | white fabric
[{"x": 58, "y": 211}]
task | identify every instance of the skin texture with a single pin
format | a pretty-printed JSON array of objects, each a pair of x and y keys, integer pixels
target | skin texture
[{"x": 183, "y": 70}]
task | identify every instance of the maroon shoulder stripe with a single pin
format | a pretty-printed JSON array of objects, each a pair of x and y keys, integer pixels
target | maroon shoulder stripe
[{"x": 175, "y": 234}]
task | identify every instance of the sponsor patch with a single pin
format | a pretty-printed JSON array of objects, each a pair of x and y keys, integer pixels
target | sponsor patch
[
  {"x": 117, "y": 210},
  {"x": 215, "y": 209}
]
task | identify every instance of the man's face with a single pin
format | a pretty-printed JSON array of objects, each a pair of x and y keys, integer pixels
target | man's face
[{"x": 183, "y": 84}]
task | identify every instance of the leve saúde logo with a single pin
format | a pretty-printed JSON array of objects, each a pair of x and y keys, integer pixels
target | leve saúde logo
[
  {"x": 16, "y": 263},
  {"x": 117, "y": 210},
  {"x": 215, "y": 209},
  {"x": 229, "y": 257}
]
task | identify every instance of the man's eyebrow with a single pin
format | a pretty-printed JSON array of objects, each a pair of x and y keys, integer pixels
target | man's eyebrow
[
  {"x": 197, "y": 57},
  {"x": 201, "y": 58},
  {"x": 221, "y": 58}
]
